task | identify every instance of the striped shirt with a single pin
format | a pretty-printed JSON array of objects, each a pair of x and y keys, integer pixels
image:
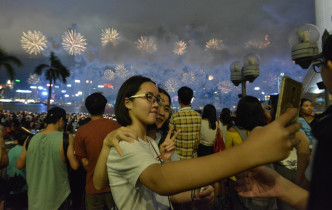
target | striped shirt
[{"x": 189, "y": 121}]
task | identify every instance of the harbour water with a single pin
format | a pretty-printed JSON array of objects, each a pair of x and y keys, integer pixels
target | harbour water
[{"x": 40, "y": 108}]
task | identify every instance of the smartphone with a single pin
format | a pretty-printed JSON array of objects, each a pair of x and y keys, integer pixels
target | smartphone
[{"x": 289, "y": 96}]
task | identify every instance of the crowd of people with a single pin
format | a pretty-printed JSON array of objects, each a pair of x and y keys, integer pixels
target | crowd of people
[{"x": 151, "y": 158}]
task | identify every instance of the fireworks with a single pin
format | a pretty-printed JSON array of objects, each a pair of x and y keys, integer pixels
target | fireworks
[
  {"x": 33, "y": 79},
  {"x": 73, "y": 42},
  {"x": 146, "y": 45},
  {"x": 109, "y": 74},
  {"x": 214, "y": 44},
  {"x": 225, "y": 86},
  {"x": 33, "y": 42},
  {"x": 180, "y": 48},
  {"x": 121, "y": 71},
  {"x": 109, "y": 36},
  {"x": 188, "y": 78},
  {"x": 171, "y": 85},
  {"x": 259, "y": 44}
]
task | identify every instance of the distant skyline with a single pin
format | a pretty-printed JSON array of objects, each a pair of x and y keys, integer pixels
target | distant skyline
[{"x": 241, "y": 27}]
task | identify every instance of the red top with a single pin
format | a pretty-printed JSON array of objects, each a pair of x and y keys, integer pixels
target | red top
[{"x": 88, "y": 144}]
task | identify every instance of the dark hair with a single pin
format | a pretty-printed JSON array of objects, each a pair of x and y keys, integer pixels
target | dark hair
[
  {"x": 327, "y": 48},
  {"x": 274, "y": 105},
  {"x": 54, "y": 115},
  {"x": 210, "y": 113},
  {"x": 301, "y": 104},
  {"x": 226, "y": 117},
  {"x": 129, "y": 88},
  {"x": 95, "y": 103},
  {"x": 20, "y": 136},
  {"x": 249, "y": 113},
  {"x": 185, "y": 95}
]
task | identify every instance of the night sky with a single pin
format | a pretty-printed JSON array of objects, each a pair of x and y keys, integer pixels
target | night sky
[{"x": 243, "y": 26}]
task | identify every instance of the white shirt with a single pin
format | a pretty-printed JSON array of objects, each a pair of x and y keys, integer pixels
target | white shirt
[
  {"x": 123, "y": 174},
  {"x": 207, "y": 135}
]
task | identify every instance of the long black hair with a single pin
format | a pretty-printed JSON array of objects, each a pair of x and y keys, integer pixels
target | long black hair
[
  {"x": 249, "y": 113},
  {"x": 210, "y": 113}
]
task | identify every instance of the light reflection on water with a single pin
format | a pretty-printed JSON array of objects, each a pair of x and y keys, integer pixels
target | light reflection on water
[{"x": 16, "y": 107}]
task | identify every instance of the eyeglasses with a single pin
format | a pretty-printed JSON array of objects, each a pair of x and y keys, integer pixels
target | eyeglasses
[
  {"x": 150, "y": 98},
  {"x": 316, "y": 65}
]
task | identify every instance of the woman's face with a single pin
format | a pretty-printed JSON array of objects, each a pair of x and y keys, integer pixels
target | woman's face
[
  {"x": 307, "y": 108},
  {"x": 140, "y": 109},
  {"x": 164, "y": 112}
]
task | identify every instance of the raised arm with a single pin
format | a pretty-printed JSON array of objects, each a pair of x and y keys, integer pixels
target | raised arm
[
  {"x": 264, "y": 145},
  {"x": 303, "y": 158},
  {"x": 100, "y": 177}
]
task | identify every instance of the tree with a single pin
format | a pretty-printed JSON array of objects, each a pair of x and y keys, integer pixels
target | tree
[
  {"x": 55, "y": 71},
  {"x": 6, "y": 61}
]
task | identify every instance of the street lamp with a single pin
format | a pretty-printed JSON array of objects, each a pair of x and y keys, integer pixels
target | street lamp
[{"x": 248, "y": 72}]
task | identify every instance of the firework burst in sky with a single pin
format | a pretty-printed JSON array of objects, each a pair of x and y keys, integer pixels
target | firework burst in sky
[
  {"x": 188, "y": 78},
  {"x": 214, "y": 44},
  {"x": 259, "y": 44},
  {"x": 33, "y": 79},
  {"x": 171, "y": 85},
  {"x": 146, "y": 45},
  {"x": 225, "y": 86},
  {"x": 73, "y": 42},
  {"x": 109, "y": 35},
  {"x": 109, "y": 74},
  {"x": 33, "y": 42},
  {"x": 180, "y": 48},
  {"x": 121, "y": 71}
]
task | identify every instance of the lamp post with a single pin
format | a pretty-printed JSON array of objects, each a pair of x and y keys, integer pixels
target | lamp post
[{"x": 248, "y": 72}]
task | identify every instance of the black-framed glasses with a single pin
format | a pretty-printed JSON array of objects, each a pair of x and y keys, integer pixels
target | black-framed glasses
[
  {"x": 150, "y": 98},
  {"x": 317, "y": 65}
]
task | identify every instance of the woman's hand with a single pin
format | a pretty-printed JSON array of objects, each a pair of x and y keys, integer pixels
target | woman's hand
[
  {"x": 168, "y": 147},
  {"x": 120, "y": 134}
]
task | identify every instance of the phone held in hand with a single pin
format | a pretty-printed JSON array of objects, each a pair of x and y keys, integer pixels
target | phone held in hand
[{"x": 289, "y": 96}]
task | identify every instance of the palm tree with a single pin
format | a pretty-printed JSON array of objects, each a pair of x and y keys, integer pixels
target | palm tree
[
  {"x": 6, "y": 61},
  {"x": 54, "y": 71}
]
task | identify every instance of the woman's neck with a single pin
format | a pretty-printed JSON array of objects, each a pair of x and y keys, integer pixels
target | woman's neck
[
  {"x": 140, "y": 130},
  {"x": 152, "y": 133},
  {"x": 308, "y": 118}
]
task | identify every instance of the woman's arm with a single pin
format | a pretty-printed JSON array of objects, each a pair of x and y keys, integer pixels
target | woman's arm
[
  {"x": 264, "y": 145},
  {"x": 303, "y": 158},
  {"x": 100, "y": 177},
  {"x": 21, "y": 160},
  {"x": 74, "y": 163},
  {"x": 3, "y": 154}
]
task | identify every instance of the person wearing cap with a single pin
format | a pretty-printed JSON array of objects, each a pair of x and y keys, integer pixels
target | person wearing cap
[
  {"x": 263, "y": 182},
  {"x": 46, "y": 171},
  {"x": 189, "y": 122}
]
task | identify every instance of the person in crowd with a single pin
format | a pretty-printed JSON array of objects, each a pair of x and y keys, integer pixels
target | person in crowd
[
  {"x": 44, "y": 158},
  {"x": 189, "y": 122},
  {"x": 306, "y": 117},
  {"x": 225, "y": 118},
  {"x": 209, "y": 129},
  {"x": 3, "y": 164},
  {"x": 88, "y": 143},
  {"x": 18, "y": 197},
  {"x": 249, "y": 114},
  {"x": 137, "y": 178},
  {"x": 263, "y": 182},
  {"x": 158, "y": 132}
]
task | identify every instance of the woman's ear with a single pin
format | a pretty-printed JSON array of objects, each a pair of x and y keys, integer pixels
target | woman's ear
[
  {"x": 128, "y": 103},
  {"x": 329, "y": 65}
]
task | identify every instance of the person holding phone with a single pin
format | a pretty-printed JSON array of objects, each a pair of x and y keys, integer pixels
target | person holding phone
[
  {"x": 138, "y": 180},
  {"x": 263, "y": 182}
]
